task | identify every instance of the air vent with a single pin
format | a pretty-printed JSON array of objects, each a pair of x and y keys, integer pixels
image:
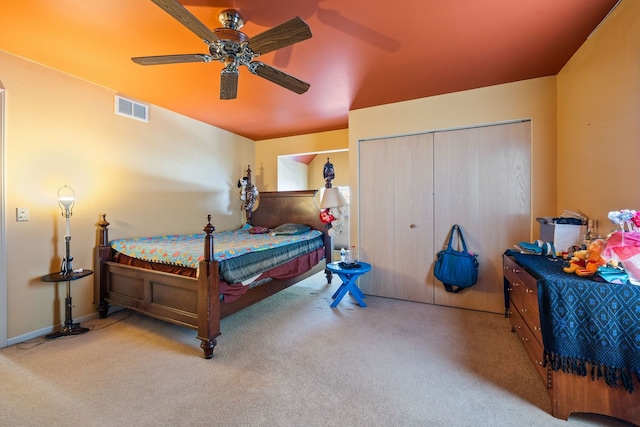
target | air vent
[{"x": 133, "y": 109}]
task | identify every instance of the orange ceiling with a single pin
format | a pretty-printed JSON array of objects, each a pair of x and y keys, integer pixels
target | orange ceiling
[{"x": 362, "y": 53}]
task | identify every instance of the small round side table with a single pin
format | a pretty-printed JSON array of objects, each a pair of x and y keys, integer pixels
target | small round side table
[
  {"x": 349, "y": 275},
  {"x": 69, "y": 327}
]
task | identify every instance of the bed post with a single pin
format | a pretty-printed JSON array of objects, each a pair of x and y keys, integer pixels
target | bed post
[
  {"x": 250, "y": 195},
  {"x": 100, "y": 279},
  {"x": 208, "y": 295},
  {"x": 328, "y": 173}
]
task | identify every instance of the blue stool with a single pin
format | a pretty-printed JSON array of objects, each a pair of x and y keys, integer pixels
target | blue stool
[{"x": 349, "y": 276}]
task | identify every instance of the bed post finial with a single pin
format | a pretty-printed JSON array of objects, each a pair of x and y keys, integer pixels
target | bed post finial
[
  {"x": 328, "y": 173},
  {"x": 208, "y": 240},
  {"x": 103, "y": 238}
]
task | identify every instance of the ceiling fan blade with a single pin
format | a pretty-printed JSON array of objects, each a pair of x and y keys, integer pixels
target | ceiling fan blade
[
  {"x": 171, "y": 59},
  {"x": 278, "y": 77},
  {"x": 229, "y": 83},
  {"x": 292, "y": 31},
  {"x": 186, "y": 18}
]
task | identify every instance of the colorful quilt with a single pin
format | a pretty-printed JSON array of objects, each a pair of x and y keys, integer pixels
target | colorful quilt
[{"x": 186, "y": 250}]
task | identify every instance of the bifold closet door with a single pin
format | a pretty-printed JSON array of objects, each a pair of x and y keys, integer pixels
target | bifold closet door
[
  {"x": 396, "y": 216},
  {"x": 482, "y": 183}
]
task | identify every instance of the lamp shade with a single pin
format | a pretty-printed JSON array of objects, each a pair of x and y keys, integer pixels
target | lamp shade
[
  {"x": 66, "y": 202},
  {"x": 332, "y": 198}
]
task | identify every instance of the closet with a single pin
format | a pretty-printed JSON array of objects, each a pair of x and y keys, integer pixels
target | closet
[{"x": 413, "y": 188}]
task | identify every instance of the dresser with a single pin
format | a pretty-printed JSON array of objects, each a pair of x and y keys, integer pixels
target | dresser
[{"x": 568, "y": 392}]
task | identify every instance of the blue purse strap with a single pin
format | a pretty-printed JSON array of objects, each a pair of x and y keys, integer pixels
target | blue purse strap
[{"x": 455, "y": 228}]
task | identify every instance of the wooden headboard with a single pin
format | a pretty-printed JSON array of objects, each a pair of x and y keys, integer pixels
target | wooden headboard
[{"x": 279, "y": 207}]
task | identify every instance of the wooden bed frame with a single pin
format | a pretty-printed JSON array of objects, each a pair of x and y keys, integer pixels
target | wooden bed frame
[{"x": 195, "y": 302}]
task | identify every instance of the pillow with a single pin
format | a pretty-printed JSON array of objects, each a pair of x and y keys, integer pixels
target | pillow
[
  {"x": 290, "y": 229},
  {"x": 258, "y": 230}
]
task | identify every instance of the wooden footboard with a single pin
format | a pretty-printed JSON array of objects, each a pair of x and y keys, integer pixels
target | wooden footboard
[
  {"x": 177, "y": 299},
  {"x": 195, "y": 302}
]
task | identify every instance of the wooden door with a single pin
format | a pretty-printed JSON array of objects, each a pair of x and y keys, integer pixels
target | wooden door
[
  {"x": 3, "y": 241},
  {"x": 482, "y": 182},
  {"x": 414, "y": 188},
  {"x": 396, "y": 216}
]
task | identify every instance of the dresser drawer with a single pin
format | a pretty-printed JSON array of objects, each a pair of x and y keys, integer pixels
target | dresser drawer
[
  {"x": 513, "y": 271},
  {"x": 531, "y": 313},
  {"x": 516, "y": 320},
  {"x": 523, "y": 293},
  {"x": 533, "y": 348},
  {"x": 510, "y": 269},
  {"x": 516, "y": 286}
]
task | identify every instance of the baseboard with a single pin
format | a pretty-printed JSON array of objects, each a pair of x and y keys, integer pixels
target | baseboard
[{"x": 47, "y": 330}]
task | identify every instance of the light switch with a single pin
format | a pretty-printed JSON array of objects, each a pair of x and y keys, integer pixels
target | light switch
[{"x": 22, "y": 214}]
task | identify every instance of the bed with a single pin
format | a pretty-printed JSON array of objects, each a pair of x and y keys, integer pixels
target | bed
[{"x": 200, "y": 302}]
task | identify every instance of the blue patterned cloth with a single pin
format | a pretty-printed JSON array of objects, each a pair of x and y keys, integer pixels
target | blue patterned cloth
[{"x": 589, "y": 327}]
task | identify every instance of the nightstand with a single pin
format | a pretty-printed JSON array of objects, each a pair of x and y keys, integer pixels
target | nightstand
[
  {"x": 69, "y": 327},
  {"x": 349, "y": 274}
]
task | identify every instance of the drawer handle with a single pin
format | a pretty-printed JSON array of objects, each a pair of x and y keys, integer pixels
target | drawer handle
[
  {"x": 539, "y": 362},
  {"x": 525, "y": 339},
  {"x": 515, "y": 270},
  {"x": 524, "y": 310},
  {"x": 537, "y": 328}
]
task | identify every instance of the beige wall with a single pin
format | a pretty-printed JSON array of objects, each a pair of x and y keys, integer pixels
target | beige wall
[
  {"x": 599, "y": 120},
  {"x": 531, "y": 99},
  {"x": 268, "y": 150},
  {"x": 164, "y": 176}
]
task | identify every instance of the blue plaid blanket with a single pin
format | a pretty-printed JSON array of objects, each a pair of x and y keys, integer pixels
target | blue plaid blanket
[{"x": 589, "y": 327}]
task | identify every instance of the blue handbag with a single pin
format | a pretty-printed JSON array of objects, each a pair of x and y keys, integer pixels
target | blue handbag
[{"x": 456, "y": 268}]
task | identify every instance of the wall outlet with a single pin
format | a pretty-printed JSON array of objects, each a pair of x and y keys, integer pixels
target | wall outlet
[{"x": 22, "y": 214}]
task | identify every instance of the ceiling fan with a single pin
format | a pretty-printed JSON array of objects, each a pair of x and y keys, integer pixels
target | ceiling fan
[{"x": 233, "y": 48}]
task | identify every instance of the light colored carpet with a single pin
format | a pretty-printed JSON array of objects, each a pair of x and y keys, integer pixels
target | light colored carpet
[{"x": 290, "y": 360}]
